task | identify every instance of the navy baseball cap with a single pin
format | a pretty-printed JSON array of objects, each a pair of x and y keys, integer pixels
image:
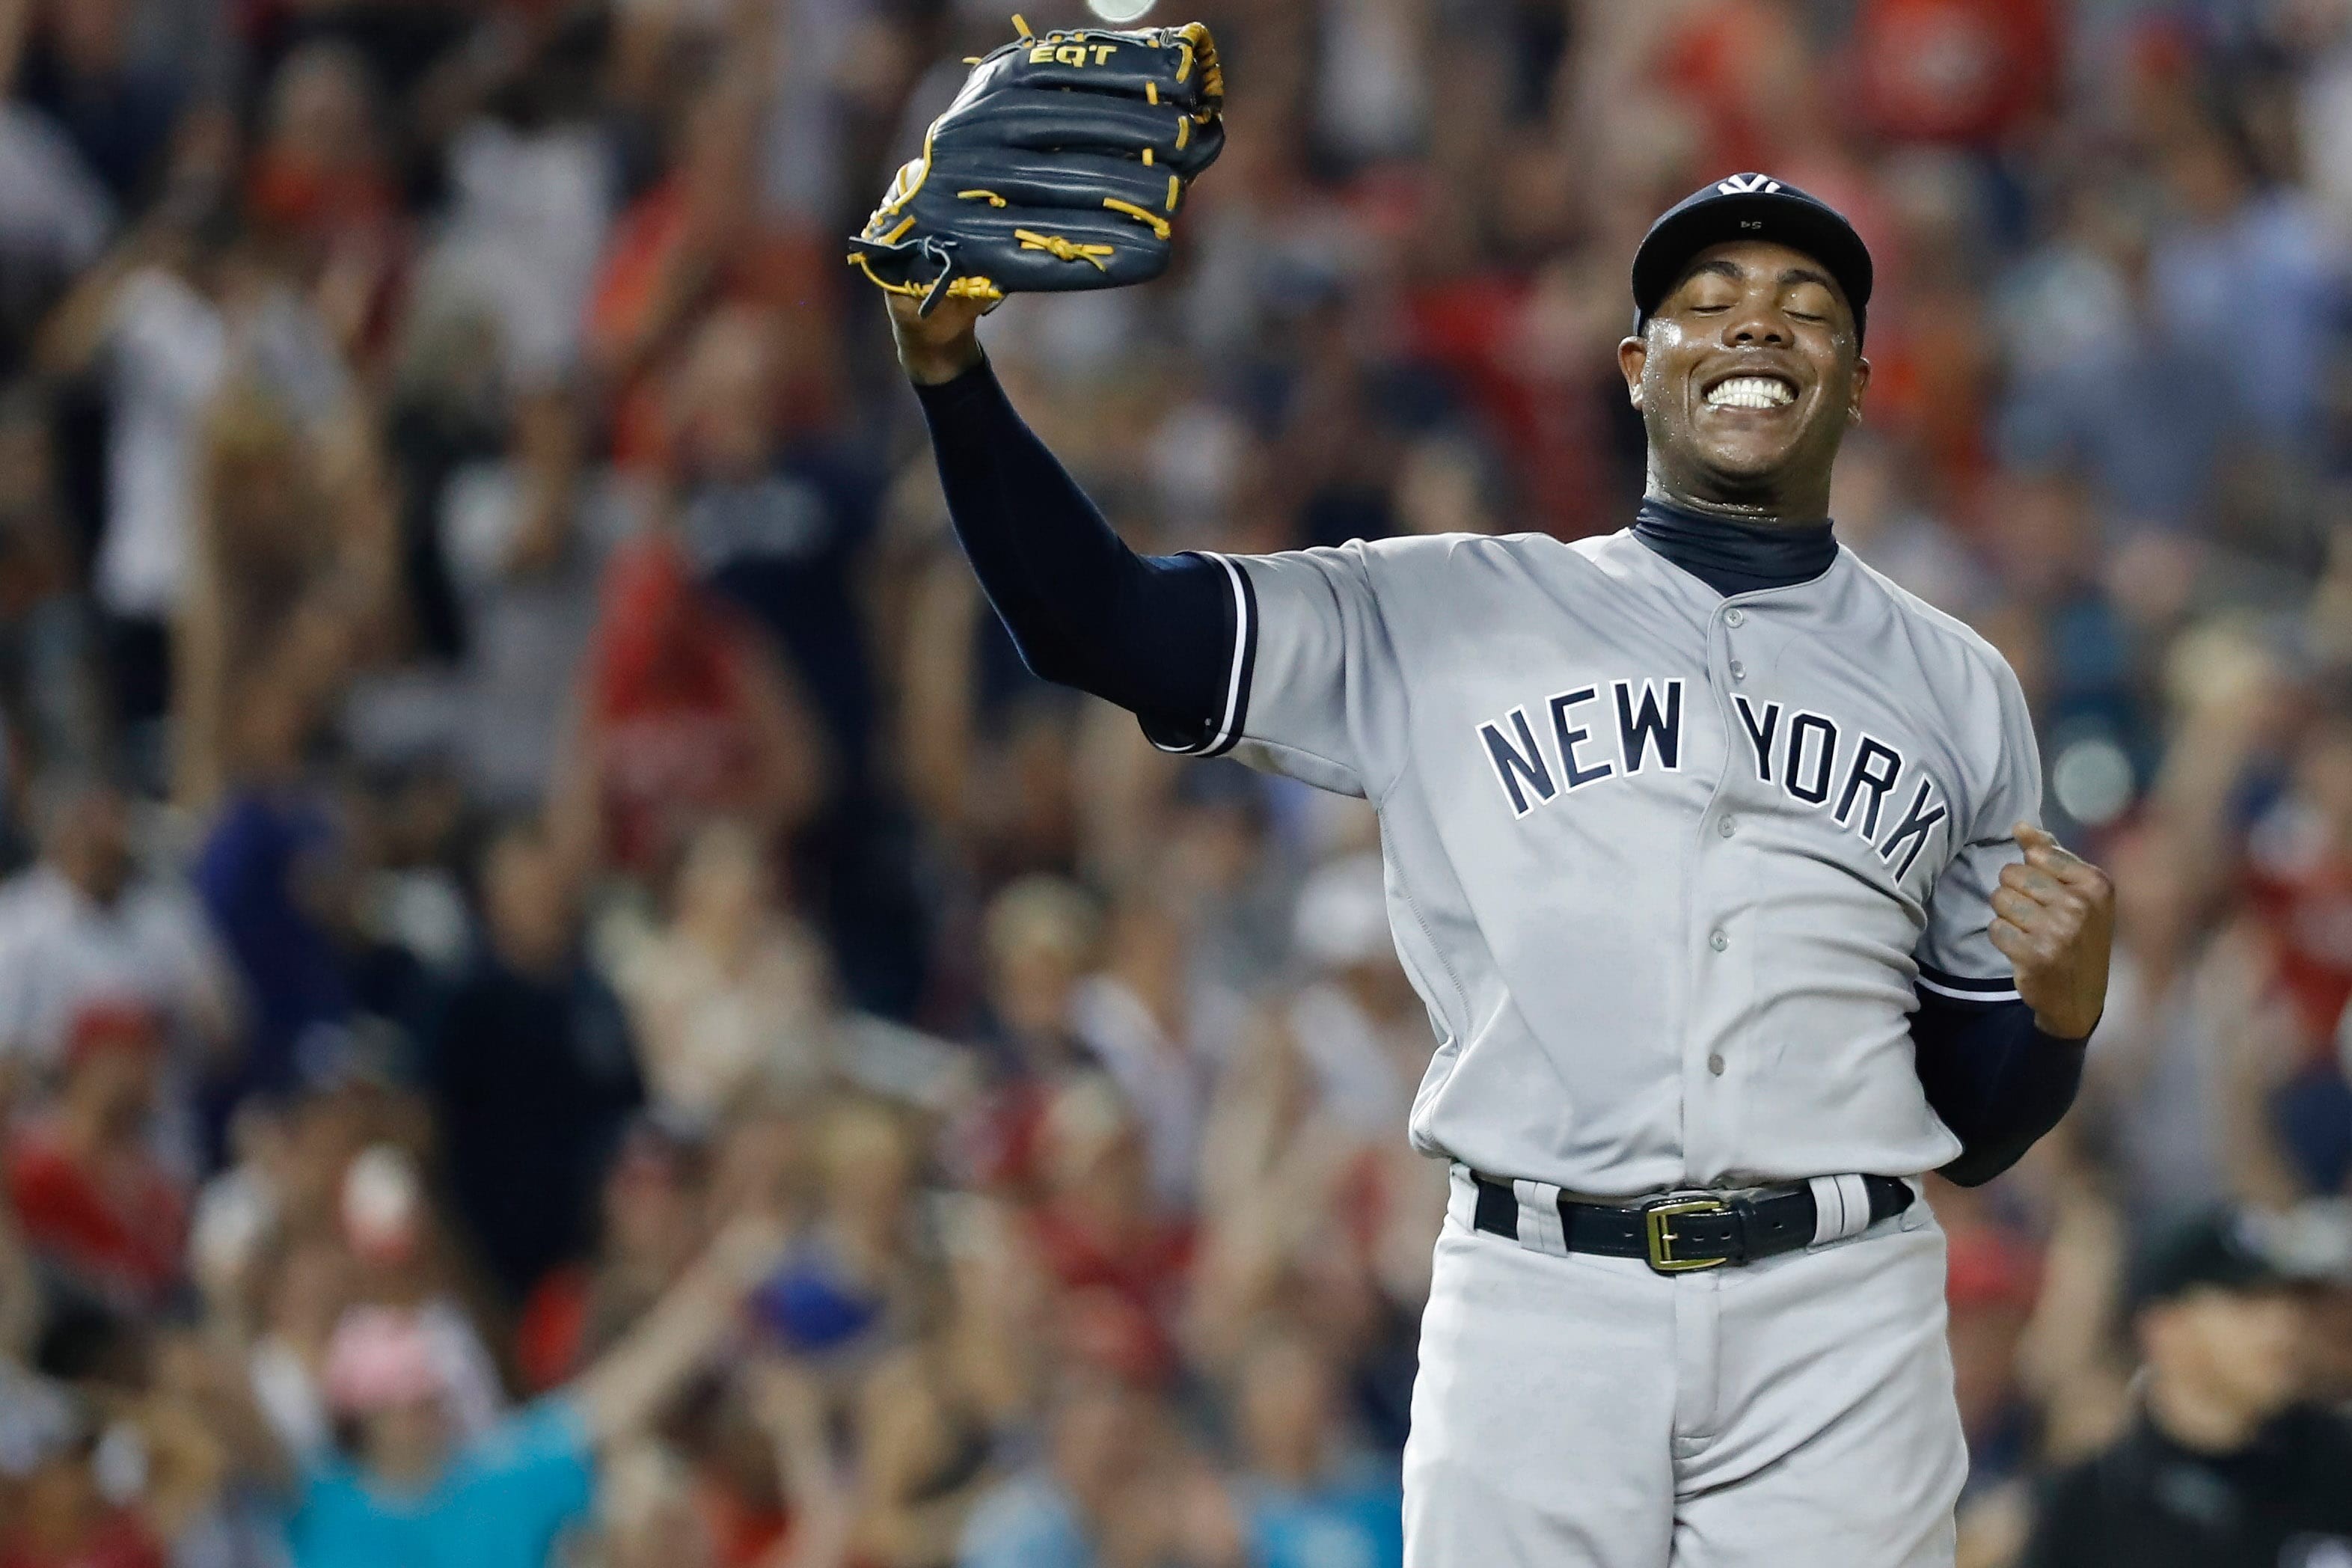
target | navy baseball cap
[
  {"x": 1750, "y": 207},
  {"x": 2221, "y": 1249}
]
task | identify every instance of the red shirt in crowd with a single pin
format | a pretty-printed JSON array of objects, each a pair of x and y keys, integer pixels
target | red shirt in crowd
[
  {"x": 652, "y": 261},
  {"x": 741, "y": 1533},
  {"x": 1954, "y": 70},
  {"x": 121, "y": 1230},
  {"x": 1730, "y": 64},
  {"x": 2304, "y": 896},
  {"x": 1120, "y": 1290},
  {"x": 671, "y": 722},
  {"x": 121, "y": 1540}
]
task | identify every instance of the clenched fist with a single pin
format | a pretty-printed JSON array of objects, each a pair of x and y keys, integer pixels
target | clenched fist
[{"x": 2054, "y": 918}]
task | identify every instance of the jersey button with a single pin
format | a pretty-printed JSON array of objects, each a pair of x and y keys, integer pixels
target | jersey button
[
  {"x": 1734, "y": 616},
  {"x": 1727, "y": 826},
  {"x": 1718, "y": 941},
  {"x": 1715, "y": 1063},
  {"x": 1738, "y": 670}
]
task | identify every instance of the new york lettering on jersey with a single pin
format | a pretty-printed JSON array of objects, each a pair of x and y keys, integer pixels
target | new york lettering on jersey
[
  {"x": 1666, "y": 866},
  {"x": 1811, "y": 756}
]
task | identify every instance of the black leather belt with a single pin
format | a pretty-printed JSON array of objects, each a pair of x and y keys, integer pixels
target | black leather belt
[{"x": 1685, "y": 1231}]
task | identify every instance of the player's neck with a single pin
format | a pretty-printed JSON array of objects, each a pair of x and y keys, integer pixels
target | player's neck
[
  {"x": 1701, "y": 513},
  {"x": 1764, "y": 510}
]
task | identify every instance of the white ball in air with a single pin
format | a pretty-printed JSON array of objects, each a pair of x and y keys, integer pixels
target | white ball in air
[{"x": 1121, "y": 12}]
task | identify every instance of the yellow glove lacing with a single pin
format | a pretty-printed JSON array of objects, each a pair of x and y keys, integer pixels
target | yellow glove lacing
[{"x": 1062, "y": 250}]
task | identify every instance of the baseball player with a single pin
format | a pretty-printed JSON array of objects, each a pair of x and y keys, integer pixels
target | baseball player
[{"x": 1713, "y": 854}]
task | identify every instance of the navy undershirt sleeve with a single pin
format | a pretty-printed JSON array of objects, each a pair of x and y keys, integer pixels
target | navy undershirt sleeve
[
  {"x": 1994, "y": 1078},
  {"x": 1153, "y": 634}
]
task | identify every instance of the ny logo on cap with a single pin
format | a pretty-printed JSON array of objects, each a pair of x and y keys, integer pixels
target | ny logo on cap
[{"x": 1747, "y": 184}]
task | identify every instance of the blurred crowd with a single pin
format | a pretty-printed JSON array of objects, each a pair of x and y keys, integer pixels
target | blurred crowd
[{"x": 562, "y": 990}]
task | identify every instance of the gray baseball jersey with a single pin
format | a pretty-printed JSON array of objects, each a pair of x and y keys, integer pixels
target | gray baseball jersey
[{"x": 1665, "y": 865}]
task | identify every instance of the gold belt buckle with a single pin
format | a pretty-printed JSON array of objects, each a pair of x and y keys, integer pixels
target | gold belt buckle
[{"x": 1662, "y": 1238}]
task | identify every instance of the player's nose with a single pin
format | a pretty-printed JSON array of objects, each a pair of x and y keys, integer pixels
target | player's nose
[{"x": 1757, "y": 325}]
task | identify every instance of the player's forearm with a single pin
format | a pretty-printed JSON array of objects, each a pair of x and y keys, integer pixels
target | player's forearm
[
  {"x": 936, "y": 350},
  {"x": 1995, "y": 1078},
  {"x": 1152, "y": 634}
]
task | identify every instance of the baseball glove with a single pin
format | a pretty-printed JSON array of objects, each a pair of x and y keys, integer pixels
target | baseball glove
[{"x": 1057, "y": 167}]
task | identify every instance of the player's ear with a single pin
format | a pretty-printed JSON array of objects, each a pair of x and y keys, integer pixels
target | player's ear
[
  {"x": 1861, "y": 385},
  {"x": 1632, "y": 354}
]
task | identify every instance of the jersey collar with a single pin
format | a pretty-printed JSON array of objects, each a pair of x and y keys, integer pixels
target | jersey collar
[{"x": 1735, "y": 557}]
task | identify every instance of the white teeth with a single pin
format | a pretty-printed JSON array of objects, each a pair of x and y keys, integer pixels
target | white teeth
[{"x": 1752, "y": 392}]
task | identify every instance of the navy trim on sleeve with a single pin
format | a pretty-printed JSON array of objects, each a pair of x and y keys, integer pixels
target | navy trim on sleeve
[
  {"x": 1244, "y": 659},
  {"x": 1961, "y": 988}
]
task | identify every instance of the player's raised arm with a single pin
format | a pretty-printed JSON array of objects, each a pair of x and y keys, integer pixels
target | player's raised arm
[
  {"x": 1058, "y": 168},
  {"x": 1153, "y": 634}
]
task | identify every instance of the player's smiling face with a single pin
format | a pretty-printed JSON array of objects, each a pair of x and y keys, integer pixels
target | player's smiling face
[{"x": 1747, "y": 378}]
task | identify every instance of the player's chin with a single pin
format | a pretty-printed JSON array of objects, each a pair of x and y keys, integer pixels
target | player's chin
[{"x": 1750, "y": 456}]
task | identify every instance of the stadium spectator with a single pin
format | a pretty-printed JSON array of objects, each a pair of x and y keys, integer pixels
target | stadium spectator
[
  {"x": 1357, "y": 1024},
  {"x": 524, "y": 536},
  {"x": 1949, "y": 71},
  {"x": 730, "y": 1001},
  {"x": 95, "y": 1203},
  {"x": 1992, "y": 1281},
  {"x": 55, "y": 216},
  {"x": 533, "y": 1071},
  {"x": 2224, "y": 1464},
  {"x": 852, "y": 1278},
  {"x": 318, "y": 182},
  {"x": 773, "y": 529},
  {"x": 682, "y": 715},
  {"x": 1158, "y": 1031},
  {"x": 285, "y": 594},
  {"x": 184, "y": 303},
  {"x": 936, "y": 1420},
  {"x": 698, "y": 236},
  {"x": 46, "y": 682},
  {"x": 650, "y": 1204},
  {"x": 409, "y": 1491},
  {"x": 82, "y": 926},
  {"x": 1305, "y": 1498},
  {"x": 122, "y": 1492},
  {"x": 82, "y": 67},
  {"x": 1039, "y": 934},
  {"x": 274, "y": 876},
  {"x": 1103, "y": 1492}
]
